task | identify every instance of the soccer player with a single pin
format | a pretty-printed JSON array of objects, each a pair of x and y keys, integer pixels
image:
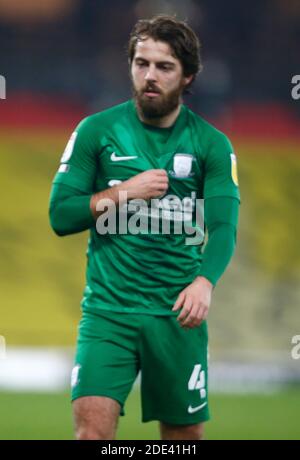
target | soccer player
[{"x": 148, "y": 292}]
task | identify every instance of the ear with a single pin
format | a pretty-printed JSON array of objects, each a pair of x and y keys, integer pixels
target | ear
[{"x": 188, "y": 80}]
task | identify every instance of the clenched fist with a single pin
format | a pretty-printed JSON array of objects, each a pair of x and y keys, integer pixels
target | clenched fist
[{"x": 146, "y": 185}]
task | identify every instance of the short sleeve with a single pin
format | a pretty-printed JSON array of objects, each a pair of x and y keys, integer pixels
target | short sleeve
[
  {"x": 79, "y": 161},
  {"x": 221, "y": 177}
]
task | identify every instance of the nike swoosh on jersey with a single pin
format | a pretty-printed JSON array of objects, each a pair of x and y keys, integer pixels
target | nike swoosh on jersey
[
  {"x": 191, "y": 409},
  {"x": 113, "y": 157}
]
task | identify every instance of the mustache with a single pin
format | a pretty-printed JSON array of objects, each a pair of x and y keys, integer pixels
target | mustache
[{"x": 151, "y": 88}]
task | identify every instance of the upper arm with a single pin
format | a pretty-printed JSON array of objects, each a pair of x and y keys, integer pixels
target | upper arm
[
  {"x": 220, "y": 169},
  {"x": 220, "y": 211},
  {"x": 79, "y": 161}
]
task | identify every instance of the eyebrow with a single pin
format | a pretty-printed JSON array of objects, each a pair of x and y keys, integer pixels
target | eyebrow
[{"x": 165, "y": 63}]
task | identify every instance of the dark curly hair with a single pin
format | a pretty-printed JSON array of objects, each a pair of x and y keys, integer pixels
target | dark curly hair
[{"x": 177, "y": 34}]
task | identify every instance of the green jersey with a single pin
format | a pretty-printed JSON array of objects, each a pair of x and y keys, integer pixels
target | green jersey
[{"x": 144, "y": 272}]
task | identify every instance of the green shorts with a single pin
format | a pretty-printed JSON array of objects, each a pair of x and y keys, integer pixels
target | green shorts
[{"x": 113, "y": 347}]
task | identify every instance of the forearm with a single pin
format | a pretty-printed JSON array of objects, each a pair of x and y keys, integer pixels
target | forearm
[
  {"x": 73, "y": 212},
  {"x": 218, "y": 252},
  {"x": 108, "y": 199},
  {"x": 71, "y": 216},
  {"x": 69, "y": 211},
  {"x": 221, "y": 219}
]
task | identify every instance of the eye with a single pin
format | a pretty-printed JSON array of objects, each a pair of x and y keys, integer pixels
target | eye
[{"x": 165, "y": 68}]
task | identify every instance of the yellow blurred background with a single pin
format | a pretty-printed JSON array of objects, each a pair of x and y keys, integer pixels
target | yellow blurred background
[{"x": 63, "y": 60}]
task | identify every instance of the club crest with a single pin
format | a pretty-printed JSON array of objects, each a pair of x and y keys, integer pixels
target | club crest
[{"x": 182, "y": 165}]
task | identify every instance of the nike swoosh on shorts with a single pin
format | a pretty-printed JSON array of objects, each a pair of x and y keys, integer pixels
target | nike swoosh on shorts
[{"x": 191, "y": 409}]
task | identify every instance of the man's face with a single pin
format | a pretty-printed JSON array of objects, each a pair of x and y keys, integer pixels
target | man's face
[{"x": 157, "y": 78}]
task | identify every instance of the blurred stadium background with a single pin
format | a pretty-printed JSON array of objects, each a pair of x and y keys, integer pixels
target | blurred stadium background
[{"x": 65, "y": 59}]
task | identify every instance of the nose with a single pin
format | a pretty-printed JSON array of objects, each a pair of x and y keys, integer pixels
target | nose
[{"x": 151, "y": 73}]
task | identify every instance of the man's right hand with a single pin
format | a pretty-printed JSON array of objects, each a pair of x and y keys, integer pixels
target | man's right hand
[{"x": 146, "y": 185}]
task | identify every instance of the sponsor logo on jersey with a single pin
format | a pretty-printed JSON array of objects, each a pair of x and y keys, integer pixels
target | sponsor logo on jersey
[
  {"x": 182, "y": 165},
  {"x": 153, "y": 216},
  {"x": 113, "y": 182}
]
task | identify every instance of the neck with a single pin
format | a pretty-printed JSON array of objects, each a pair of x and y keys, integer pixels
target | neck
[{"x": 163, "y": 122}]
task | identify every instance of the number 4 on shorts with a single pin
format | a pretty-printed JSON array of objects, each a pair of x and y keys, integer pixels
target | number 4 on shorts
[{"x": 197, "y": 380}]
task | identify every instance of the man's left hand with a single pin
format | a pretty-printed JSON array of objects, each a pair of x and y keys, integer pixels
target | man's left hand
[{"x": 195, "y": 301}]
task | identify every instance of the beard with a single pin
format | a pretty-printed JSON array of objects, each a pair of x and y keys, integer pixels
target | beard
[{"x": 160, "y": 106}]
